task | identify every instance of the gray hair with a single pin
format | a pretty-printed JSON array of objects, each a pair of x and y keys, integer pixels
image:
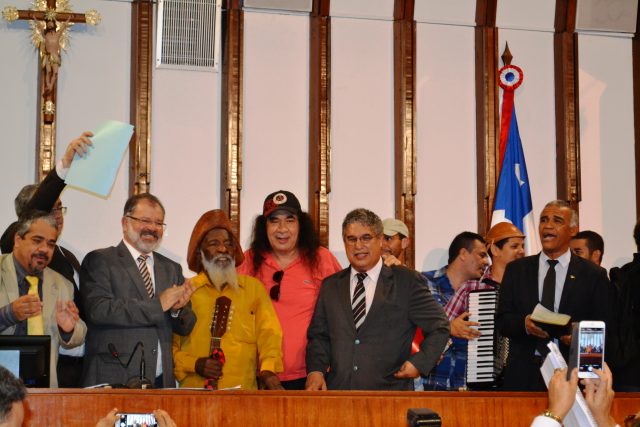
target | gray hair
[
  {"x": 25, "y": 223},
  {"x": 573, "y": 222},
  {"x": 363, "y": 217},
  {"x": 23, "y": 197}
]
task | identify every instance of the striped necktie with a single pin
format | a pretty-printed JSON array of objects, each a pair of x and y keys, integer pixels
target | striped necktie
[
  {"x": 35, "y": 324},
  {"x": 144, "y": 272},
  {"x": 359, "y": 305}
]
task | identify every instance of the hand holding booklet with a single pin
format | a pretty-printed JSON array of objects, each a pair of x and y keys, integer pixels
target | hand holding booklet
[{"x": 555, "y": 324}]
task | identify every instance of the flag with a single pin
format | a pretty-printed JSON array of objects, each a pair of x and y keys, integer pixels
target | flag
[{"x": 513, "y": 194}]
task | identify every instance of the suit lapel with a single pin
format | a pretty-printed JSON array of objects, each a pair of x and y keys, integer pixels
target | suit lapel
[
  {"x": 385, "y": 280},
  {"x": 569, "y": 283},
  {"x": 9, "y": 278},
  {"x": 130, "y": 266},
  {"x": 49, "y": 296},
  {"x": 344, "y": 295},
  {"x": 532, "y": 277},
  {"x": 160, "y": 274}
]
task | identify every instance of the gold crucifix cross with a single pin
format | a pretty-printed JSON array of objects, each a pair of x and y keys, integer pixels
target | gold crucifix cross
[{"x": 50, "y": 21}]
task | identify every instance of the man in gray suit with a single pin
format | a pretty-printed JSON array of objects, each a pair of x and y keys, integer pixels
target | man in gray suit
[
  {"x": 366, "y": 317},
  {"x": 35, "y": 300},
  {"x": 132, "y": 295}
]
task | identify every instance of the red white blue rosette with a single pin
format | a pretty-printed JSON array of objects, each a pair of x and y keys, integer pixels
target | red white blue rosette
[{"x": 510, "y": 77}]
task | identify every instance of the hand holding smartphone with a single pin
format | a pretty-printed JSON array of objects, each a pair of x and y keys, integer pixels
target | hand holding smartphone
[
  {"x": 587, "y": 348},
  {"x": 136, "y": 420}
]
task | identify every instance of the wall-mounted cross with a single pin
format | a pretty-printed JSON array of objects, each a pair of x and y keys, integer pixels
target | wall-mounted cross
[{"x": 50, "y": 21}]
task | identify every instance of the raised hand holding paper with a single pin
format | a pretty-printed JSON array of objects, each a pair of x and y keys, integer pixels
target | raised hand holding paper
[{"x": 96, "y": 172}]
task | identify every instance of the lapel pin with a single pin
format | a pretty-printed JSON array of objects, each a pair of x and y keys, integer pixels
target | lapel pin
[{"x": 572, "y": 276}]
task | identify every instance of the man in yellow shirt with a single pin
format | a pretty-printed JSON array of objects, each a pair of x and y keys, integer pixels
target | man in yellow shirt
[{"x": 252, "y": 340}]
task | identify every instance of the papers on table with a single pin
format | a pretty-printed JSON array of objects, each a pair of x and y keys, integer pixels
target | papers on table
[{"x": 96, "y": 172}]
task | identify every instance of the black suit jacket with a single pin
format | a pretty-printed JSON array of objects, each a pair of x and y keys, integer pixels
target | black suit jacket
[
  {"x": 585, "y": 296},
  {"x": 119, "y": 311},
  {"x": 368, "y": 358},
  {"x": 63, "y": 261}
]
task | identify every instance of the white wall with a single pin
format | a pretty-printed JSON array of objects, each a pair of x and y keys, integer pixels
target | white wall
[
  {"x": 607, "y": 144},
  {"x": 446, "y": 177},
  {"x": 17, "y": 112},
  {"x": 361, "y": 122},
  {"x": 276, "y": 112}
]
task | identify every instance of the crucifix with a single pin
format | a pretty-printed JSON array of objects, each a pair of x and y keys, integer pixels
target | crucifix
[{"x": 50, "y": 21}]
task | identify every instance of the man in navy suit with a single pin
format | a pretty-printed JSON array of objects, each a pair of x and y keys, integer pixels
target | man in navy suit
[
  {"x": 559, "y": 280},
  {"x": 366, "y": 317}
]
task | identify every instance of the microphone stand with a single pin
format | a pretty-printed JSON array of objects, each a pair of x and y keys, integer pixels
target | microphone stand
[{"x": 135, "y": 382}]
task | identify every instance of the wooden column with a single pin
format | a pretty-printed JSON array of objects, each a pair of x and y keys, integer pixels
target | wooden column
[
  {"x": 565, "y": 46},
  {"x": 404, "y": 87},
  {"x": 140, "y": 106},
  {"x": 636, "y": 107},
  {"x": 320, "y": 118},
  {"x": 487, "y": 116},
  {"x": 231, "y": 111}
]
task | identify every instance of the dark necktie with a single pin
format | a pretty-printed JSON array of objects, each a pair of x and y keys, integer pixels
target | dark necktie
[
  {"x": 359, "y": 305},
  {"x": 549, "y": 285},
  {"x": 146, "y": 276}
]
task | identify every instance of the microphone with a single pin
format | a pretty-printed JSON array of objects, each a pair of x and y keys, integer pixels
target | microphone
[{"x": 135, "y": 382}]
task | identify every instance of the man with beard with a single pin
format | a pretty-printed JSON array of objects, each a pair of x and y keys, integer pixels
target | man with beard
[
  {"x": 35, "y": 300},
  {"x": 557, "y": 279},
  {"x": 394, "y": 242},
  {"x": 468, "y": 260},
  {"x": 133, "y": 295},
  {"x": 253, "y": 337}
]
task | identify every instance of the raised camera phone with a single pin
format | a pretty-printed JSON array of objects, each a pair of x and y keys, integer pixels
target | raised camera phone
[
  {"x": 136, "y": 420},
  {"x": 587, "y": 348}
]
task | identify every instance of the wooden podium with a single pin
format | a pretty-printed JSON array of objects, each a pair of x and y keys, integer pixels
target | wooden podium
[{"x": 191, "y": 408}]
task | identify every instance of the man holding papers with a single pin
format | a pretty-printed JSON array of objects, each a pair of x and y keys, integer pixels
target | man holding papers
[{"x": 561, "y": 282}]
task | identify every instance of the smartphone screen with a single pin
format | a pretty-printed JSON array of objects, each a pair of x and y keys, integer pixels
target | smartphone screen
[
  {"x": 136, "y": 420},
  {"x": 591, "y": 351}
]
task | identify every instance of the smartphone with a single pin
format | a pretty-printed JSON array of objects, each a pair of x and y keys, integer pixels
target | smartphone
[
  {"x": 587, "y": 347},
  {"x": 136, "y": 420}
]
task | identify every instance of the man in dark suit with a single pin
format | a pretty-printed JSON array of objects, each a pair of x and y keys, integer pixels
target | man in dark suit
[
  {"x": 131, "y": 294},
  {"x": 560, "y": 281},
  {"x": 366, "y": 317}
]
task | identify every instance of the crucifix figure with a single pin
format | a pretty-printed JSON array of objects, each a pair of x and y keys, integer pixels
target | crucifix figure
[{"x": 50, "y": 21}]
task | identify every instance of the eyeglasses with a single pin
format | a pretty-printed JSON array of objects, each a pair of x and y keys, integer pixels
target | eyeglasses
[
  {"x": 148, "y": 222},
  {"x": 274, "y": 293},
  {"x": 61, "y": 210},
  {"x": 365, "y": 239}
]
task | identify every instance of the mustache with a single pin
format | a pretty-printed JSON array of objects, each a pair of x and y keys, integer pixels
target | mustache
[
  {"x": 149, "y": 233},
  {"x": 42, "y": 255},
  {"x": 222, "y": 257}
]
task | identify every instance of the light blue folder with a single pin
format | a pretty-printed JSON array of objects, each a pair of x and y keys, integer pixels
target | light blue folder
[{"x": 96, "y": 172}]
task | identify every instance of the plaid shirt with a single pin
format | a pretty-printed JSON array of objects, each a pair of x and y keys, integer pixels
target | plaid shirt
[
  {"x": 459, "y": 303},
  {"x": 449, "y": 373}
]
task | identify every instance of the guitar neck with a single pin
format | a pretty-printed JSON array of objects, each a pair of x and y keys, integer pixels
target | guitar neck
[{"x": 215, "y": 343}]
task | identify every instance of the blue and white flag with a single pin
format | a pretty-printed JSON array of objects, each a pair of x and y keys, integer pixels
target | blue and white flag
[{"x": 513, "y": 195}]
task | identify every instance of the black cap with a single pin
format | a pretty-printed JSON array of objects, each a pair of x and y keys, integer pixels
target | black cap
[{"x": 281, "y": 199}]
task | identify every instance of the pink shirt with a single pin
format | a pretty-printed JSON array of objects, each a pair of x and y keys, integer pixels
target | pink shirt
[{"x": 299, "y": 291}]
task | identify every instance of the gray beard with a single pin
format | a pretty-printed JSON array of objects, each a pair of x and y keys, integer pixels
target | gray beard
[{"x": 220, "y": 275}]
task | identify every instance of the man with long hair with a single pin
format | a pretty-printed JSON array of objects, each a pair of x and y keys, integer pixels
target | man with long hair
[{"x": 286, "y": 256}]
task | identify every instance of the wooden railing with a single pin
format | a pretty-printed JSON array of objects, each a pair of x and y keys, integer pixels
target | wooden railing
[{"x": 190, "y": 408}]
